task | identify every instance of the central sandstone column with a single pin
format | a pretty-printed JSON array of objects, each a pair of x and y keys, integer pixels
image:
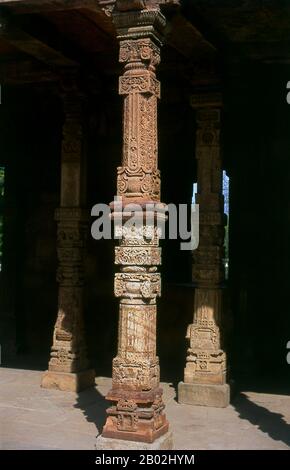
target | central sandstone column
[
  {"x": 137, "y": 409},
  {"x": 68, "y": 366},
  {"x": 205, "y": 373}
]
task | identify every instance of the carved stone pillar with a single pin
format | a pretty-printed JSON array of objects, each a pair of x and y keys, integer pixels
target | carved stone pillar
[
  {"x": 205, "y": 371},
  {"x": 137, "y": 409},
  {"x": 68, "y": 366}
]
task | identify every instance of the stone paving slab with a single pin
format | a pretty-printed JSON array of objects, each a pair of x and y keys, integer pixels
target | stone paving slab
[{"x": 35, "y": 418}]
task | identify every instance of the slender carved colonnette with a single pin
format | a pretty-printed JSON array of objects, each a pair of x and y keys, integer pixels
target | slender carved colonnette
[
  {"x": 68, "y": 366},
  {"x": 206, "y": 360},
  {"x": 137, "y": 411}
]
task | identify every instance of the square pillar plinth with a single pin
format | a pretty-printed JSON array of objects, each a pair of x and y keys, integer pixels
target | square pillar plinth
[
  {"x": 68, "y": 381},
  {"x": 164, "y": 442},
  {"x": 204, "y": 394}
]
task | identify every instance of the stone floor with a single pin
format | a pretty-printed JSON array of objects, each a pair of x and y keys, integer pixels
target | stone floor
[{"x": 34, "y": 418}]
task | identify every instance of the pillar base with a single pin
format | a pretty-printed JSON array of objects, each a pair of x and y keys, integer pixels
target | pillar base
[
  {"x": 204, "y": 394},
  {"x": 68, "y": 381},
  {"x": 164, "y": 442}
]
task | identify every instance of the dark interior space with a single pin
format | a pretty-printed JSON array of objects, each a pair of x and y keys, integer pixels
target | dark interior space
[
  {"x": 256, "y": 142},
  {"x": 256, "y": 158}
]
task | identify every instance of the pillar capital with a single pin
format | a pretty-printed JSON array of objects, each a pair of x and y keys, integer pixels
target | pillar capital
[{"x": 138, "y": 24}]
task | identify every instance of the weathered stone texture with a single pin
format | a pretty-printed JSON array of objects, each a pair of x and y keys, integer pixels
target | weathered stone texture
[
  {"x": 137, "y": 411},
  {"x": 206, "y": 360},
  {"x": 68, "y": 352}
]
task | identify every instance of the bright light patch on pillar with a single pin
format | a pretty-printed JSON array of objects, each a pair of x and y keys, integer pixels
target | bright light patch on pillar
[
  {"x": 194, "y": 193},
  {"x": 226, "y": 194}
]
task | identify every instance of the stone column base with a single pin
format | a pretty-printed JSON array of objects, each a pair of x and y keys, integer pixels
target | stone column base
[
  {"x": 67, "y": 381},
  {"x": 164, "y": 442},
  {"x": 204, "y": 394}
]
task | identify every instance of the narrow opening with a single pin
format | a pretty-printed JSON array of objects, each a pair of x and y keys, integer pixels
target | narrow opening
[
  {"x": 226, "y": 194},
  {"x": 2, "y": 182}
]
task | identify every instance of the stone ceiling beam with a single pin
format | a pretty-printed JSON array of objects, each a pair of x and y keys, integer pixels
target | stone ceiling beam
[{"x": 32, "y": 46}]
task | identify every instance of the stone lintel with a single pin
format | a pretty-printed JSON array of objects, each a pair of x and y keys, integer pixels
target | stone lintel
[
  {"x": 164, "y": 442},
  {"x": 204, "y": 394},
  {"x": 67, "y": 381}
]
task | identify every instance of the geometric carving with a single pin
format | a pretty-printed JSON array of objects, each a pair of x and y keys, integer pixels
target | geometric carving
[
  {"x": 139, "y": 83},
  {"x": 135, "y": 375},
  {"x": 137, "y": 333},
  {"x": 137, "y": 411},
  {"x": 139, "y": 177},
  {"x": 142, "y": 256},
  {"x": 206, "y": 361}
]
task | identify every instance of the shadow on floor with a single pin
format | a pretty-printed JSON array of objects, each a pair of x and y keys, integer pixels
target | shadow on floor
[
  {"x": 267, "y": 421},
  {"x": 93, "y": 405},
  {"x": 277, "y": 384}
]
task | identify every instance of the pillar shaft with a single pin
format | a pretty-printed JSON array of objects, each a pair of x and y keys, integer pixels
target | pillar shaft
[
  {"x": 68, "y": 365},
  {"x": 206, "y": 360},
  {"x": 137, "y": 411}
]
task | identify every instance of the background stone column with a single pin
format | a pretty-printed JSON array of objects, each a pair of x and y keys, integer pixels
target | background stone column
[
  {"x": 68, "y": 366},
  {"x": 205, "y": 371},
  {"x": 137, "y": 411}
]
